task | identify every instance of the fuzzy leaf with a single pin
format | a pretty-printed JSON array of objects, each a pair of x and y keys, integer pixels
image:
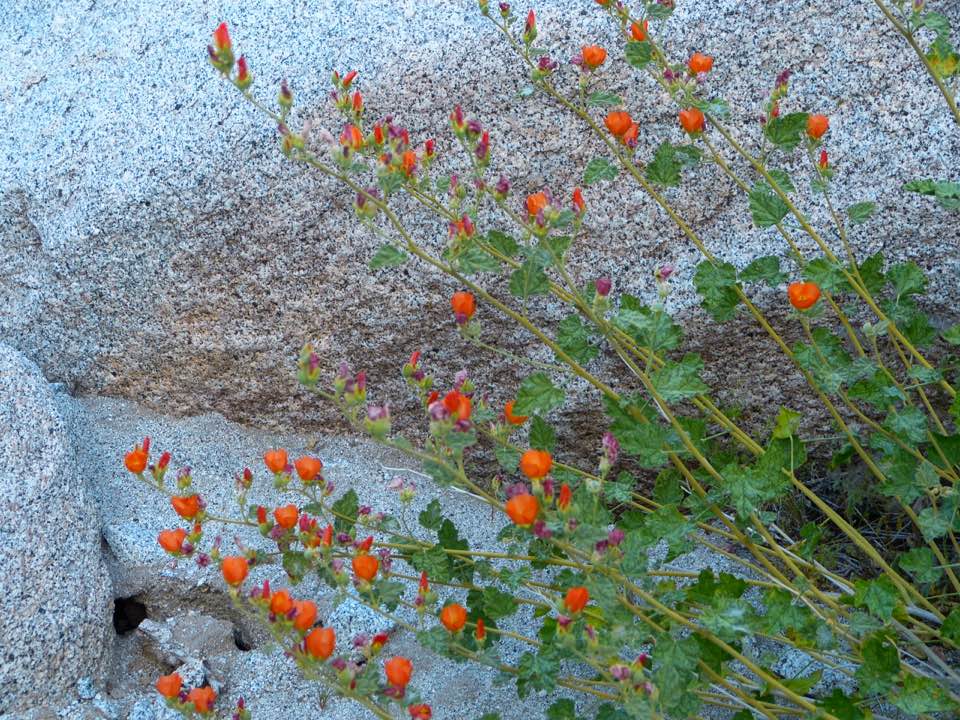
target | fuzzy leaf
[
  {"x": 786, "y": 131},
  {"x": 680, "y": 381},
  {"x": 388, "y": 256},
  {"x": 574, "y": 338},
  {"x": 639, "y": 54},
  {"x": 860, "y": 212},
  {"x": 764, "y": 269},
  {"x": 537, "y": 395},
  {"x": 717, "y": 285},
  {"x": 766, "y": 208},
  {"x": 599, "y": 169},
  {"x": 529, "y": 279}
]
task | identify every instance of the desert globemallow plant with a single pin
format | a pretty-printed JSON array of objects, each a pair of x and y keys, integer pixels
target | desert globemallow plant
[{"x": 586, "y": 546}]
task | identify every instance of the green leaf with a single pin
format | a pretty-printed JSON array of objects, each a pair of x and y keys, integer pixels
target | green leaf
[
  {"x": 878, "y": 596},
  {"x": 907, "y": 278},
  {"x": 434, "y": 562},
  {"x": 787, "y": 424},
  {"x": 503, "y": 242},
  {"x": 659, "y": 11},
  {"x": 841, "y": 706},
  {"x": 432, "y": 516},
  {"x": 871, "y": 270},
  {"x": 786, "y": 131},
  {"x": 529, "y": 279},
  {"x": 679, "y": 381},
  {"x": 881, "y": 664},
  {"x": 542, "y": 436},
  {"x": 498, "y": 604},
  {"x": 296, "y": 564},
  {"x": 508, "y": 458},
  {"x": 562, "y": 710},
  {"x": 644, "y": 441},
  {"x": 388, "y": 256},
  {"x": 922, "y": 564},
  {"x": 860, "y": 212},
  {"x": 664, "y": 169},
  {"x": 908, "y": 422},
  {"x": 537, "y": 395},
  {"x": 599, "y": 169},
  {"x": 936, "y": 22},
  {"x": 653, "y": 328},
  {"x": 764, "y": 269},
  {"x": 782, "y": 180},
  {"x": 952, "y": 335},
  {"x": 951, "y": 626},
  {"x": 574, "y": 338},
  {"x": 717, "y": 285},
  {"x": 639, "y": 54},
  {"x": 828, "y": 275},
  {"x": 345, "y": 511},
  {"x": 604, "y": 99},
  {"x": 473, "y": 260},
  {"x": 923, "y": 695},
  {"x": 766, "y": 208},
  {"x": 947, "y": 193}
]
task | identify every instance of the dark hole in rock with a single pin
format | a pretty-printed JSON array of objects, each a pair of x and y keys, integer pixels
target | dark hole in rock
[
  {"x": 240, "y": 640},
  {"x": 128, "y": 613}
]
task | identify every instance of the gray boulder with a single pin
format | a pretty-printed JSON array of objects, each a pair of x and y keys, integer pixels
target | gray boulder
[
  {"x": 56, "y": 602},
  {"x": 154, "y": 244}
]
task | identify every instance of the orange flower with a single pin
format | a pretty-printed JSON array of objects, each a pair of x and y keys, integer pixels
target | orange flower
[
  {"x": 221, "y": 37},
  {"x": 424, "y": 587},
  {"x": 537, "y": 202},
  {"x": 578, "y": 203},
  {"x": 286, "y": 516},
  {"x": 243, "y": 73},
  {"x": 172, "y": 540},
  {"x": 639, "y": 30},
  {"x": 593, "y": 56},
  {"x": 421, "y": 711},
  {"x": 357, "y": 102},
  {"x": 803, "y": 295},
  {"x": 308, "y": 468},
  {"x": 235, "y": 569},
  {"x": 453, "y": 617},
  {"x": 458, "y": 404},
  {"x": 523, "y": 509},
  {"x": 510, "y": 417},
  {"x": 564, "y": 498},
  {"x": 481, "y": 632},
  {"x": 136, "y": 459},
  {"x": 463, "y": 303},
  {"x": 618, "y": 122},
  {"x": 352, "y": 137},
  {"x": 536, "y": 464},
  {"x": 692, "y": 120},
  {"x": 631, "y": 135},
  {"x": 409, "y": 162},
  {"x": 202, "y": 698},
  {"x": 398, "y": 671},
  {"x": 576, "y": 599},
  {"x": 186, "y": 507},
  {"x": 817, "y": 126},
  {"x": 321, "y": 642},
  {"x": 365, "y": 567},
  {"x": 327, "y": 539},
  {"x": 281, "y": 603},
  {"x": 700, "y": 63},
  {"x": 306, "y": 614},
  {"x": 348, "y": 79},
  {"x": 276, "y": 460},
  {"x": 169, "y": 685}
]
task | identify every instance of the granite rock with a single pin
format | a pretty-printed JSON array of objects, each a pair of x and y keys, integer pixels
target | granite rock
[
  {"x": 154, "y": 244},
  {"x": 56, "y": 601}
]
